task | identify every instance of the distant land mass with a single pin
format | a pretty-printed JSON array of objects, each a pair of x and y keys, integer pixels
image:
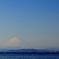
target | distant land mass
[{"x": 29, "y": 50}]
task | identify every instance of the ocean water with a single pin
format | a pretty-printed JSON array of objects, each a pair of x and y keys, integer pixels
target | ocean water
[{"x": 29, "y": 56}]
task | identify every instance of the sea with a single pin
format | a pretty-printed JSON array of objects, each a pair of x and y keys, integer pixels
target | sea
[{"x": 29, "y": 56}]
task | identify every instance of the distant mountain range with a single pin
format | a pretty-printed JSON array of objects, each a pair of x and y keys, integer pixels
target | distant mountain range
[{"x": 30, "y": 50}]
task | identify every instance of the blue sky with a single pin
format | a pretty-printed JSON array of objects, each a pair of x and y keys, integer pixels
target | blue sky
[{"x": 33, "y": 21}]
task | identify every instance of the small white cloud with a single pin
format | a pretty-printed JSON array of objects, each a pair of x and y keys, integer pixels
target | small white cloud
[{"x": 15, "y": 42}]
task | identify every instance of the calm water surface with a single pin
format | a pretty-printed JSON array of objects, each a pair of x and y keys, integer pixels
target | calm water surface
[{"x": 29, "y": 56}]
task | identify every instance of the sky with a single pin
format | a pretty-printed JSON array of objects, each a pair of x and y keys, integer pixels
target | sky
[{"x": 34, "y": 22}]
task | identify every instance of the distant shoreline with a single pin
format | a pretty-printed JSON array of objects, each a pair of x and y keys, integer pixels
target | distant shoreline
[{"x": 29, "y": 52}]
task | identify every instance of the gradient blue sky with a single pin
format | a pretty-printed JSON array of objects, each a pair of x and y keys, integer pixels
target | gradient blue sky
[{"x": 33, "y": 21}]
